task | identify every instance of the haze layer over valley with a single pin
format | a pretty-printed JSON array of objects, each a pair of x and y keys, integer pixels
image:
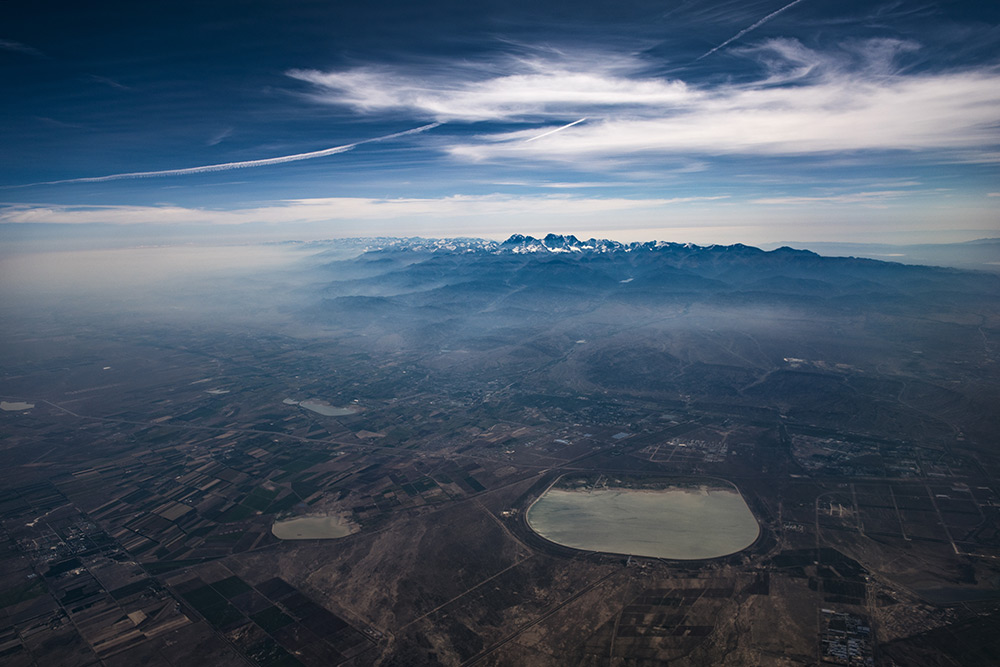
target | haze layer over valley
[{"x": 164, "y": 407}]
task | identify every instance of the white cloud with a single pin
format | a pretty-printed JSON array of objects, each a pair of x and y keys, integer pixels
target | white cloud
[
  {"x": 950, "y": 112},
  {"x": 807, "y": 103},
  {"x": 877, "y": 198},
  {"x": 344, "y": 208},
  {"x": 707, "y": 219},
  {"x": 538, "y": 88}
]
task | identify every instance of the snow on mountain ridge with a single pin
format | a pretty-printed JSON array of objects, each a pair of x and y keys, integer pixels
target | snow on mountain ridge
[{"x": 519, "y": 244}]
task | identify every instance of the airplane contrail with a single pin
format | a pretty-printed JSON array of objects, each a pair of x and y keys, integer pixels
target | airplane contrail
[
  {"x": 225, "y": 166},
  {"x": 746, "y": 30},
  {"x": 558, "y": 129}
]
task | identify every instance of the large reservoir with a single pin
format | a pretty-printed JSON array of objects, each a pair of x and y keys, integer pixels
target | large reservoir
[{"x": 686, "y": 520}]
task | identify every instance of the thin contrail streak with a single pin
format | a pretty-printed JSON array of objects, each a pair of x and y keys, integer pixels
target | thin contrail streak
[
  {"x": 746, "y": 30},
  {"x": 225, "y": 166},
  {"x": 558, "y": 129}
]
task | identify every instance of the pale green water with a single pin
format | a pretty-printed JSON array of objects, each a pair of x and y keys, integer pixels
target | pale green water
[
  {"x": 15, "y": 406},
  {"x": 323, "y": 408},
  {"x": 683, "y": 523},
  {"x": 313, "y": 528},
  {"x": 327, "y": 410}
]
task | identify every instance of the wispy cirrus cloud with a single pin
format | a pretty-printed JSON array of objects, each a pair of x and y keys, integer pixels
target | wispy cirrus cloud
[
  {"x": 515, "y": 89},
  {"x": 107, "y": 81},
  {"x": 871, "y": 198},
  {"x": 18, "y": 47},
  {"x": 220, "y": 136},
  {"x": 956, "y": 113},
  {"x": 805, "y": 102},
  {"x": 227, "y": 166}
]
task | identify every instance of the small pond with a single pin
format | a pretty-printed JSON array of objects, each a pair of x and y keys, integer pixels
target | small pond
[{"x": 313, "y": 527}]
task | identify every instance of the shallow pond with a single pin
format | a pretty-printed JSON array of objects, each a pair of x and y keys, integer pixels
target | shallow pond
[
  {"x": 323, "y": 408},
  {"x": 15, "y": 406},
  {"x": 313, "y": 528},
  {"x": 684, "y": 522}
]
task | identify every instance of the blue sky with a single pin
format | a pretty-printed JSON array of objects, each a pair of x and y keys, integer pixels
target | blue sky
[{"x": 704, "y": 121}]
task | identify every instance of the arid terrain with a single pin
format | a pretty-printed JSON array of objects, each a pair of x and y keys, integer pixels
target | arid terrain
[{"x": 150, "y": 444}]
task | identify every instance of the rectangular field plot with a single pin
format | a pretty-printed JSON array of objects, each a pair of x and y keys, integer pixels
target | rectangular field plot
[
  {"x": 913, "y": 499},
  {"x": 884, "y": 520},
  {"x": 923, "y": 525}
]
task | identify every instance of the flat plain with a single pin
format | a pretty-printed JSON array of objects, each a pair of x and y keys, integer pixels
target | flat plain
[{"x": 857, "y": 419}]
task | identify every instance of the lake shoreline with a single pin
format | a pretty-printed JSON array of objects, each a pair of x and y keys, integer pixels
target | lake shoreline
[{"x": 672, "y": 518}]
